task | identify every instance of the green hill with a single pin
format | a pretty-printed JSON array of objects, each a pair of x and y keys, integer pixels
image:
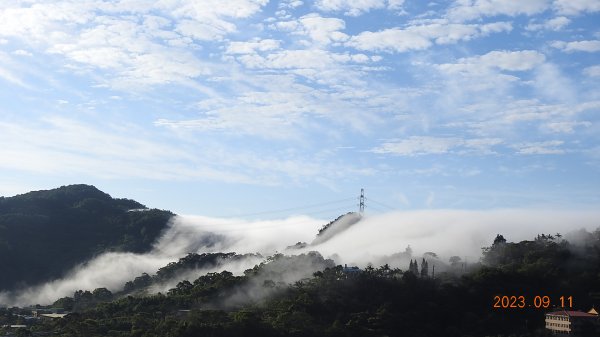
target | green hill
[{"x": 43, "y": 234}]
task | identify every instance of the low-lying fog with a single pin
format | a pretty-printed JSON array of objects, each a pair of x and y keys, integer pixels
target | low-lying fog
[{"x": 444, "y": 232}]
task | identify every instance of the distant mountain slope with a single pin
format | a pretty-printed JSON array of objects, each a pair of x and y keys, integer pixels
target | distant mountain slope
[
  {"x": 336, "y": 226},
  {"x": 43, "y": 234}
]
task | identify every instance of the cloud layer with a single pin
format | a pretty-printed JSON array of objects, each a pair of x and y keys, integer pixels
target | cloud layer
[{"x": 305, "y": 93}]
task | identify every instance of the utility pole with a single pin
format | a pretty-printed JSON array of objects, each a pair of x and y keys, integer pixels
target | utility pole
[{"x": 361, "y": 206}]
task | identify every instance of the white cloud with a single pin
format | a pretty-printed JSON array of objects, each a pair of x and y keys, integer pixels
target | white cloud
[
  {"x": 495, "y": 27},
  {"x": 552, "y": 84},
  {"x": 395, "y": 4},
  {"x": 21, "y": 52},
  {"x": 465, "y": 10},
  {"x": 205, "y": 31},
  {"x": 481, "y": 145},
  {"x": 322, "y": 31},
  {"x": 501, "y": 120},
  {"x": 425, "y": 145},
  {"x": 513, "y": 61},
  {"x": 516, "y": 121},
  {"x": 209, "y": 10},
  {"x": 555, "y": 24},
  {"x": 41, "y": 23},
  {"x": 131, "y": 54},
  {"x": 124, "y": 44},
  {"x": 589, "y": 46},
  {"x": 290, "y": 4},
  {"x": 419, "y": 37},
  {"x": 493, "y": 75},
  {"x": 7, "y": 70},
  {"x": 397, "y": 40},
  {"x": 575, "y": 7},
  {"x": 593, "y": 71},
  {"x": 546, "y": 147},
  {"x": 533, "y": 110},
  {"x": 210, "y": 19},
  {"x": 151, "y": 69},
  {"x": 59, "y": 146},
  {"x": 503, "y": 60},
  {"x": 565, "y": 126},
  {"x": 357, "y": 7},
  {"x": 285, "y": 109},
  {"x": 301, "y": 59},
  {"x": 350, "y": 7},
  {"x": 7, "y": 75},
  {"x": 132, "y": 46},
  {"x": 417, "y": 146},
  {"x": 521, "y": 111},
  {"x": 252, "y": 46}
]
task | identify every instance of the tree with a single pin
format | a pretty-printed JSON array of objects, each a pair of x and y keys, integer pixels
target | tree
[
  {"x": 424, "y": 268},
  {"x": 414, "y": 267},
  {"x": 494, "y": 254},
  {"x": 454, "y": 260},
  {"x": 182, "y": 288},
  {"x": 499, "y": 240},
  {"x": 102, "y": 294},
  {"x": 66, "y": 303}
]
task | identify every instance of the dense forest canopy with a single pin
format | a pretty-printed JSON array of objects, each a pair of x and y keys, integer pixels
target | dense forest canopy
[{"x": 43, "y": 234}]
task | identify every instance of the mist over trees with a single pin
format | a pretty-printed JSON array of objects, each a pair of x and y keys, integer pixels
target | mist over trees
[
  {"x": 378, "y": 301},
  {"x": 299, "y": 294}
]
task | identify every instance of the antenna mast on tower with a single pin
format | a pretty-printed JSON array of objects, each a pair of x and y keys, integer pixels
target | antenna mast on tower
[{"x": 361, "y": 205}]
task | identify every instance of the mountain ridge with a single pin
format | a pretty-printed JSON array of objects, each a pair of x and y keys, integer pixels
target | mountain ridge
[{"x": 45, "y": 233}]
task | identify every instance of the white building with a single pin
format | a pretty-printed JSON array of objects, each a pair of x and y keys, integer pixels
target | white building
[{"x": 566, "y": 322}]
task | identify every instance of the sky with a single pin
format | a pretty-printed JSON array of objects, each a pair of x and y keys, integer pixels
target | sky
[{"x": 242, "y": 107}]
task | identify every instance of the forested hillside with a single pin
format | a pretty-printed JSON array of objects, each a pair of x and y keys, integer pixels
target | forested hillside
[
  {"x": 43, "y": 234},
  {"x": 378, "y": 301}
]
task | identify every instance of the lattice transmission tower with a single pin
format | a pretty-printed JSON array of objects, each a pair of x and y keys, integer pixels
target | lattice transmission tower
[{"x": 361, "y": 205}]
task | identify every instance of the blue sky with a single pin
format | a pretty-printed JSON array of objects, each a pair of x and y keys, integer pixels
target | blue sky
[{"x": 244, "y": 106}]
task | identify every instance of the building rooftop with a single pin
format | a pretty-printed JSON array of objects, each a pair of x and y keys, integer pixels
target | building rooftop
[
  {"x": 570, "y": 313},
  {"x": 53, "y": 315},
  {"x": 352, "y": 269}
]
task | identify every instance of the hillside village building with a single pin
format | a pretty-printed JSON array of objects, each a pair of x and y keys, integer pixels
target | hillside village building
[
  {"x": 572, "y": 323},
  {"x": 351, "y": 270}
]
